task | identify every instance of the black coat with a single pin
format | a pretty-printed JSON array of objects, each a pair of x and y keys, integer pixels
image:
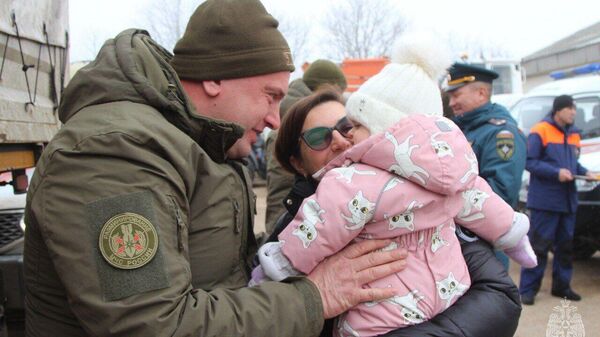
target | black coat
[{"x": 491, "y": 306}]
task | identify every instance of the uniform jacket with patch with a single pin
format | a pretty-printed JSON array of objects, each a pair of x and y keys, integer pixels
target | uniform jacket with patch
[
  {"x": 500, "y": 148},
  {"x": 132, "y": 144},
  {"x": 409, "y": 184},
  {"x": 551, "y": 147}
]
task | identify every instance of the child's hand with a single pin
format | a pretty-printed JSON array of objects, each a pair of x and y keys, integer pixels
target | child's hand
[
  {"x": 522, "y": 253},
  {"x": 258, "y": 277},
  {"x": 274, "y": 264}
]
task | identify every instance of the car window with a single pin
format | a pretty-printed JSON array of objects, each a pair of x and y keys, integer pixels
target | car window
[
  {"x": 503, "y": 84},
  {"x": 530, "y": 111},
  {"x": 588, "y": 116}
]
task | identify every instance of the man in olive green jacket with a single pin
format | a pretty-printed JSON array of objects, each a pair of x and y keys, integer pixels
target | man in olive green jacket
[
  {"x": 279, "y": 181},
  {"x": 139, "y": 215}
]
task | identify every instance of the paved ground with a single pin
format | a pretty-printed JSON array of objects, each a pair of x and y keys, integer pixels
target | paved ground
[
  {"x": 534, "y": 320},
  {"x": 586, "y": 281}
]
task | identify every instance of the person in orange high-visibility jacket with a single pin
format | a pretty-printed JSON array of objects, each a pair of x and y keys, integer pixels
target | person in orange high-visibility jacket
[{"x": 552, "y": 153}]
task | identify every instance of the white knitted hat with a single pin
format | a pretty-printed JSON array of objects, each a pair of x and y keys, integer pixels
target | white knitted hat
[{"x": 408, "y": 85}]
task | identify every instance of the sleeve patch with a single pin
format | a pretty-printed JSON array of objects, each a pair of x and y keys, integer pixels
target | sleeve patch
[
  {"x": 128, "y": 241},
  {"x": 505, "y": 148},
  {"x": 126, "y": 244}
]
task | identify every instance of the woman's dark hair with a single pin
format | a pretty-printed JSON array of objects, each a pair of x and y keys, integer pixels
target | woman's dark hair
[{"x": 287, "y": 144}]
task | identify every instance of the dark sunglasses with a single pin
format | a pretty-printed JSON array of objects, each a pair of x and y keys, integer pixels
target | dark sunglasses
[{"x": 320, "y": 137}]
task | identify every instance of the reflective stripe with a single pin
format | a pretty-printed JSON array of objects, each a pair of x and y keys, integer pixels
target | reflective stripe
[{"x": 549, "y": 134}]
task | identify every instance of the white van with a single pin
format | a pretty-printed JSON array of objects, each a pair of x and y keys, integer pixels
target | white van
[{"x": 532, "y": 108}]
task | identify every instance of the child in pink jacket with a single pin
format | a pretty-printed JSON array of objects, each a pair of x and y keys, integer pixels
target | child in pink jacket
[{"x": 411, "y": 181}]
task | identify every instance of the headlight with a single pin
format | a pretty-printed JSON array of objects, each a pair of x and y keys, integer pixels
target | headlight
[{"x": 22, "y": 223}]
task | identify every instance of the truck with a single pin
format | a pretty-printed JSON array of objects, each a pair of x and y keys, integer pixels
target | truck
[
  {"x": 33, "y": 72},
  {"x": 358, "y": 71}
]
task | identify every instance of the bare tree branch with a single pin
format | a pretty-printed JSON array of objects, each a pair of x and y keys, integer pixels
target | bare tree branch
[
  {"x": 166, "y": 21},
  {"x": 297, "y": 33},
  {"x": 92, "y": 45},
  {"x": 475, "y": 48},
  {"x": 363, "y": 28}
]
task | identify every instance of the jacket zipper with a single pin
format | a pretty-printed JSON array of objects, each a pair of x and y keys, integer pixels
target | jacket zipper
[
  {"x": 236, "y": 216},
  {"x": 241, "y": 212},
  {"x": 180, "y": 225}
]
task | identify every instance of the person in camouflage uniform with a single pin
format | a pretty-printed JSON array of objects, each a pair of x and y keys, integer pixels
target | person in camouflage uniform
[{"x": 140, "y": 212}]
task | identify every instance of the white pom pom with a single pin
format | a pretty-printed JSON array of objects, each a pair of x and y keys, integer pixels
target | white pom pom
[{"x": 423, "y": 50}]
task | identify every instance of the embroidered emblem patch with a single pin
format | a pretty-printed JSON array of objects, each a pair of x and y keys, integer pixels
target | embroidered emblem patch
[
  {"x": 505, "y": 147},
  {"x": 128, "y": 241}
]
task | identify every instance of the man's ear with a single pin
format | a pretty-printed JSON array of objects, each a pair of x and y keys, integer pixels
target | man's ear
[
  {"x": 297, "y": 165},
  {"x": 212, "y": 88}
]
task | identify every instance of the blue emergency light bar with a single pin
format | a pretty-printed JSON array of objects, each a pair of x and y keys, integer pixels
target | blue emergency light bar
[{"x": 586, "y": 69}]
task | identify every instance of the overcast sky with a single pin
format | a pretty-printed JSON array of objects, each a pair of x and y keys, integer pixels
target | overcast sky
[{"x": 519, "y": 26}]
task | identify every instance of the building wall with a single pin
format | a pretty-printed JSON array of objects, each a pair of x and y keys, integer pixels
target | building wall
[{"x": 538, "y": 70}]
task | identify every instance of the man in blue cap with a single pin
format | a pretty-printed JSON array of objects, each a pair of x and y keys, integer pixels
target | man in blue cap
[{"x": 498, "y": 143}]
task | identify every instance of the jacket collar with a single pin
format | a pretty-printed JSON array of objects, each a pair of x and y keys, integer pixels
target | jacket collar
[
  {"x": 303, "y": 188},
  {"x": 568, "y": 129},
  {"x": 132, "y": 67},
  {"x": 474, "y": 118}
]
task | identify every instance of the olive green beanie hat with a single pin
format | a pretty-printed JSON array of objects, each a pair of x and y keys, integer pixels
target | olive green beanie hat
[
  {"x": 324, "y": 72},
  {"x": 227, "y": 39}
]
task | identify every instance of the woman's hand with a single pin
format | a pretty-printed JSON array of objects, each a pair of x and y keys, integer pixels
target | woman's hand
[{"x": 340, "y": 277}]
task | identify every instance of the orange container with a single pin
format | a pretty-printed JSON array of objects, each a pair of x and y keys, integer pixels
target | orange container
[{"x": 357, "y": 71}]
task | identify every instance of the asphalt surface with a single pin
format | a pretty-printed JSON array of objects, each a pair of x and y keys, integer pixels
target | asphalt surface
[{"x": 535, "y": 320}]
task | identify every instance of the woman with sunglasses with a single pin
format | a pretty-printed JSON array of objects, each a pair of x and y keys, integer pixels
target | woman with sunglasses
[
  {"x": 311, "y": 140},
  {"x": 315, "y": 132}
]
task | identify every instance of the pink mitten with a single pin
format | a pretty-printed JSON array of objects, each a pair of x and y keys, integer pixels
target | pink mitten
[{"x": 522, "y": 253}]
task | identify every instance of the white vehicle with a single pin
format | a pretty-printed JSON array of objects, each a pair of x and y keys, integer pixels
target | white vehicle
[
  {"x": 532, "y": 108},
  {"x": 510, "y": 80}
]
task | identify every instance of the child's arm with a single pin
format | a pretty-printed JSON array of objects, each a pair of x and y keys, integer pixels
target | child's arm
[
  {"x": 328, "y": 220},
  {"x": 483, "y": 211},
  {"x": 491, "y": 218}
]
